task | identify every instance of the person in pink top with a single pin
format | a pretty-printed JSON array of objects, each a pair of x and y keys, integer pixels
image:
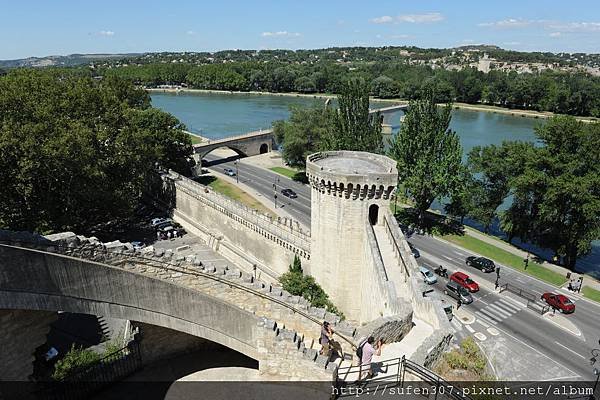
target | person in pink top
[{"x": 367, "y": 356}]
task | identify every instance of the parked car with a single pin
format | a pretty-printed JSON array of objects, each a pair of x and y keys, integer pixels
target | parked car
[
  {"x": 289, "y": 193},
  {"x": 559, "y": 301},
  {"x": 229, "y": 171},
  {"x": 414, "y": 250},
  {"x": 456, "y": 291},
  {"x": 157, "y": 221},
  {"x": 163, "y": 224},
  {"x": 463, "y": 280},
  {"x": 481, "y": 263},
  {"x": 138, "y": 245},
  {"x": 428, "y": 276}
]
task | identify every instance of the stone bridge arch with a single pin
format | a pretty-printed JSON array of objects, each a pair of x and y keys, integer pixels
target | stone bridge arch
[{"x": 36, "y": 280}]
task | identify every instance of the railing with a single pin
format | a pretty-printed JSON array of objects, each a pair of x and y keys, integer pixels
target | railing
[
  {"x": 236, "y": 137},
  {"x": 102, "y": 255},
  {"x": 531, "y": 298},
  {"x": 218, "y": 202},
  {"x": 434, "y": 383},
  {"x": 82, "y": 382},
  {"x": 396, "y": 246},
  {"x": 371, "y": 233}
]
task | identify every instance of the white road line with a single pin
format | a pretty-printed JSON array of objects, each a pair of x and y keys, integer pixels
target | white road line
[
  {"x": 482, "y": 322},
  {"x": 566, "y": 348},
  {"x": 457, "y": 325},
  {"x": 490, "y": 316},
  {"x": 515, "y": 302},
  {"x": 470, "y": 329},
  {"x": 506, "y": 308},
  {"x": 536, "y": 350},
  {"x": 509, "y": 306},
  {"x": 495, "y": 309}
]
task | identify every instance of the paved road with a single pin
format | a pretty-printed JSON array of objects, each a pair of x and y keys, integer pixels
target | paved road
[{"x": 523, "y": 344}]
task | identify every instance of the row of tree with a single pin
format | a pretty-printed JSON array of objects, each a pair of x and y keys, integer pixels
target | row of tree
[
  {"x": 553, "y": 187},
  {"x": 564, "y": 93},
  {"x": 78, "y": 151}
]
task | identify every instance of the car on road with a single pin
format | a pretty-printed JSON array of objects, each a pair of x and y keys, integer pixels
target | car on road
[
  {"x": 559, "y": 301},
  {"x": 428, "y": 276},
  {"x": 463, "y": 280},
  {"x": 481, "y": 263},
  {"x": 289, "y": 193},
  {"x": 229, "y": 171},
  {"x": 457, "y": 292},
  {"x": 414, "y": 250},
  {"x": 158, "y": 221}
]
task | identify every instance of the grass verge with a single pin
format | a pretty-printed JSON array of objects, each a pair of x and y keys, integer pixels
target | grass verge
[
  {"x": 506, "y": 258},
  {"x": 298, "y": 176},
  {"x": 591, "y": 294},
  {"x": 195, "y": 139},
  {"x": 235, "y": 193}
]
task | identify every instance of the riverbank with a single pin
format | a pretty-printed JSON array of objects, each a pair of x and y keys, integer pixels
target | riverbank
[{"x": 457, "y": 106}]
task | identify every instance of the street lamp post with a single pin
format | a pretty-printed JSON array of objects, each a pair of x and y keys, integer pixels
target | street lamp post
[
  {"x": 237, "y": 174},
  {"x": 593, "y": 360},
  {"x": 275, "y": 194}
]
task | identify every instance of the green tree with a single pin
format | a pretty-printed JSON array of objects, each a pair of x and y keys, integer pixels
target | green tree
[
  {"x": 77, "y": 152},
  {"x": 354, "y": 128},
  {"x": 460, "y": 203},
  {"x": 303, "y": 133},
  {"x": 428, "y": 154}
]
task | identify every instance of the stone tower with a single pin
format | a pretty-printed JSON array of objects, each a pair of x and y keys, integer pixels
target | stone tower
[{"x": 349, "y": 191}]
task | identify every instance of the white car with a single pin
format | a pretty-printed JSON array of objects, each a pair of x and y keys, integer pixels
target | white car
[
  {"x": 158, "y": 221},
  {"x": 428, "y": 276}
]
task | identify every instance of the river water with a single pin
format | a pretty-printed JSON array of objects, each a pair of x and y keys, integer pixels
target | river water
[{"x": 221, "y": 115}]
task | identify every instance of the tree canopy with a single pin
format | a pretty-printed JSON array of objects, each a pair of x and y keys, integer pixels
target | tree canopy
[
  {"x": 78, "y": 151},
  {"x": 428, "y": 153}
]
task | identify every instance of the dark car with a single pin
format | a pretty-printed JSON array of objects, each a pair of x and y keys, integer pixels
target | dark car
[
  {"x": 560, "y": 302},
  {"x": 481, "y": 263},
  {"x": 414, "y": 250},
  {"x": 456, "y": 291},
  {"x": 289, "y": 193}
]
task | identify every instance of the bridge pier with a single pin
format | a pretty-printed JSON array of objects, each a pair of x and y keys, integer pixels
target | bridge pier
[{"x": 21, "y": 333}]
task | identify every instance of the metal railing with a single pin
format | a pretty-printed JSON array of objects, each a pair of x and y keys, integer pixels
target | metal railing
[
  {"x": 236, "y": 137},
  {"x": 103, "y": 256},
  {"x": 434, "y": 383},
  {"x": 532, "y": 298},
  {"x": 89, "y": 379}
]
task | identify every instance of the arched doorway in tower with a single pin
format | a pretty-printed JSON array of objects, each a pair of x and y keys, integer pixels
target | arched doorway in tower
[
  {"x": 373, "y": 214},
  {"x": 264, "y": 148}
]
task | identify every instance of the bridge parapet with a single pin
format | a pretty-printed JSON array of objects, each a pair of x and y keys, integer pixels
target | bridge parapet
[{"x": 290, "y": 321}]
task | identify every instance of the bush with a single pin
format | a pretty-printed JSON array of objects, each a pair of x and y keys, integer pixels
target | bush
[
  {"x": 298, "y": 284},
  {"x": 77, "y": 358},
  {"x": 468, "y": 358}
]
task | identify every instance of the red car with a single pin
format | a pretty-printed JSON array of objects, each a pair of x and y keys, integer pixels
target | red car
[
  {"x": 560, "y": 302},
  {"x": 463, "y": 280}
]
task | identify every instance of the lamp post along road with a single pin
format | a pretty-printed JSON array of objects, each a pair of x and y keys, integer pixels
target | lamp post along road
[{"x": 237, "y": 174}]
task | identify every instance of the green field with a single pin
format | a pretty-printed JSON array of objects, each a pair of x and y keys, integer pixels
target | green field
[
  {"x": 195, "y": 139},
  {"x": 235, "y": 193},
  {"x": 591, "y": 294},
  {"x": 506, "y": 258}
]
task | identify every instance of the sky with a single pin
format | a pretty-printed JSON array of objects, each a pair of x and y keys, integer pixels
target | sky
[{"x": 61, "y": 27}]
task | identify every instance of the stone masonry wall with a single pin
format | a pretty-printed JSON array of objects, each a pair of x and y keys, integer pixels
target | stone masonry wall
[{"x": 21, "y": 333}]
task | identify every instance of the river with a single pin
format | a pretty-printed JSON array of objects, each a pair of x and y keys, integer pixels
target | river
[{"x": 221, "y": 115}]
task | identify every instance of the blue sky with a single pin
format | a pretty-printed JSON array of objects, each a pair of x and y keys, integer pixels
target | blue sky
[{"x": 40, "y": 28}]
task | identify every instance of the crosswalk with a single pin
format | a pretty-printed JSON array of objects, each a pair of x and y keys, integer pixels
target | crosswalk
[{"x": 498, "y": 311}]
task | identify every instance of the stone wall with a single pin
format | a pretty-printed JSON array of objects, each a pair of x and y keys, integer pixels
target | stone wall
[
  {"x": 389, "y": 329},
  {"x": 243, "y": 235},
  {"x": 21, "y": 333}
]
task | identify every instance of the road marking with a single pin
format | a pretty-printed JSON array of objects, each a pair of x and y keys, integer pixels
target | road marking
[
  {"x": 497, "y": 306},
  {"x": 566, "y": 348},
  {"x": 484, "y": 324},
  {"x": 447, "y": 258},
  {"x": 502, "y": 313},
  {"x": 488, "y": 316},
  {"x": 470, "y": 329},
  {"x": 493, "y": 331},
  {"x": 480, "y": 336},
  {"x": 510, "y": 306},
  {"x": 457, "y": 325},
  {"x": 536, "y": 350}
]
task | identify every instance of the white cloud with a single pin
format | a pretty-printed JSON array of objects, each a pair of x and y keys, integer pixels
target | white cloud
[
  {"x": 106, "y": 33},
  {"x": 400, "y": 36},
  {"x": 575, "y": 26},
  {"x": 507, "y": 23},
  {"x": 190, "y": 32},
  {"x": 511, "y": 43},
  {"x": 280, "y": 34},
  {"x": 386, "y": 19},
  {"x": 420, "y": 18},
  {"x": 555, "y": 34},
  {"x": 410, "y": 18}
]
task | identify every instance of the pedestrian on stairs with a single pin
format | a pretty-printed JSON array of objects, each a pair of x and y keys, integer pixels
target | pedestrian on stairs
[{"x": 366, "y": 370}]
